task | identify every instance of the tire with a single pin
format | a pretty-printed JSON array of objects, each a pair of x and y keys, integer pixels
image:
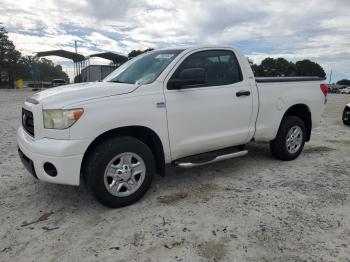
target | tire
[
  {"x": 119, "y": 171},
  {"x": 346, "y": 116},
  {"x": 280, "y": 147}
]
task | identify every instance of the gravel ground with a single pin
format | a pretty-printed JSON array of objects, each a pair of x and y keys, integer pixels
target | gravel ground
[{"x": 249, "y": 209}]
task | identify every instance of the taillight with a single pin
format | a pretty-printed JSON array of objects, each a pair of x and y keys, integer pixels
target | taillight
[{"x": 324, "y": 89}]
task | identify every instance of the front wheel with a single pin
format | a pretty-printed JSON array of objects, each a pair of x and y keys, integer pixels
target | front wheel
[
  {"x": 119, "y": 171},
  {"x": 290, "y": 139}
]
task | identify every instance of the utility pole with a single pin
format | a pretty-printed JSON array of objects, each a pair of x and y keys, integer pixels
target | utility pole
[
  {"x": 330, "y": 77},
  {"x": 75, "y": 63}
]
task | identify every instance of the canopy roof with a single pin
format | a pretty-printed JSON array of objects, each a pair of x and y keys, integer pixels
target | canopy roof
[
  {"x": 63, "y": 53},
  {"x": 117, "y": 59}
]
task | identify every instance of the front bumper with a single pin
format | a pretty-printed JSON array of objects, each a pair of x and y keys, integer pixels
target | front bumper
[
  {"x": 65, "y": 155},
  {"x": 27, "y": 163}
]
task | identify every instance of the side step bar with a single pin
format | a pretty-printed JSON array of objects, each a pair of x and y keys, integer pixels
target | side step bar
[{"x": 216, "y": 159}]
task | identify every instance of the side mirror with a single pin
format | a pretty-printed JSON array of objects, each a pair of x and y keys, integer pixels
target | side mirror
[{"x": 188, "y": 78}]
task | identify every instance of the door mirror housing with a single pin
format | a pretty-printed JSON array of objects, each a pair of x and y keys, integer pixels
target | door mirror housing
[{"x": 190, "y": 77}]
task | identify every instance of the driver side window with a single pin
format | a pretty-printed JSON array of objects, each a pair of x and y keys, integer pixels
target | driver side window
[{"x": 221, "y": 67}]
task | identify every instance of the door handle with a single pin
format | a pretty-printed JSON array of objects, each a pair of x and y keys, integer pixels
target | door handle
[{"x": 243, "y": 93}]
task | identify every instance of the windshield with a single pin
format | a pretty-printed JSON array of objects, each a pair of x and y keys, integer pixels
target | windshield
[{"x": 143, "y": 69}]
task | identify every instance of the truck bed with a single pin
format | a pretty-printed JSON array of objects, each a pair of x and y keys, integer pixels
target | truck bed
[{"x": 277, "y": 94}]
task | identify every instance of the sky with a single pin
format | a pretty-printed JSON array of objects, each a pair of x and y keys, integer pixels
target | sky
[{"x": 310, "y": 29}]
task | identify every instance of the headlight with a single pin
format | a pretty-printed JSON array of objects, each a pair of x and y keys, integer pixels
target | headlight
[{"x": 61, "y": 118}]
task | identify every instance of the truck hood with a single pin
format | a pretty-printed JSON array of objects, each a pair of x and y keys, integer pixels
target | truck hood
[{"x": 62, "y": 96}]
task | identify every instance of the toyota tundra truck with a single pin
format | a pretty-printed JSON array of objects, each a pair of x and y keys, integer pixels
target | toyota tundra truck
[{"x": 181, "y": 106}]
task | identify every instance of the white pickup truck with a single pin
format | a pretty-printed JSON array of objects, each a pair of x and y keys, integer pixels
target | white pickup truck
[{"x": 180, "y": 106}]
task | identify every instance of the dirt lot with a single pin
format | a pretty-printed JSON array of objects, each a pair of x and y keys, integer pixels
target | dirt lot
[{"x": 250, "y": 209}]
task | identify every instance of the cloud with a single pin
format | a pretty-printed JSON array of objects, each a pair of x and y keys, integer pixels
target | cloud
[
  {"x": 102, "y": 42},
  {"x": 313, "y": 29}
]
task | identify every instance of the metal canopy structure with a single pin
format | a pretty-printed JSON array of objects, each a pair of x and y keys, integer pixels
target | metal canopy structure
[
  {"x": 98, "y": 72},
  {"x": 78, "y": 60},
  {"x": 82, "y": 68},
  {"x": 63, "y": 53},
  {"x": 115, "y": 58}
]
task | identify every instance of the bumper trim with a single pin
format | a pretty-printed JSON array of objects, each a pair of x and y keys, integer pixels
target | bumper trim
[
  {"x": 27, "y": 163},
  {"x": 65, "y": 155}
]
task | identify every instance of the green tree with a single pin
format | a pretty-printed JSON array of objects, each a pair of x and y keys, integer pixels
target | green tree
[
  {"x": 135, "y": 53},
  {"x": 33, "y": 68},
  {"x": 9, "y": 56},
  {"x": 254, "y": 67},
  {"x": 26, "y": 67},
  {"x": 48, "y": 71},
  {"x": 344, "y": 82},
  {"x": 281, "y": 67},
  {"x": 276, "y": 67},
  {"x": 309, "y": 68}
]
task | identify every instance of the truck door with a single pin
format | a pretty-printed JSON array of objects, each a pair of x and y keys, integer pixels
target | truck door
[{"x": 212, "y": 114}]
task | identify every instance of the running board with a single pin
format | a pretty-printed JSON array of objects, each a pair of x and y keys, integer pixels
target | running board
[{"x": 216, "y": 159}]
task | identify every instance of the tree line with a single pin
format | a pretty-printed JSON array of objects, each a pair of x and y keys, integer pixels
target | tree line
[
  {"x": 281, "y": 67},
  {"x": 344, "y": 82},
  {"x": 16, "y": 66},
  {"x": 135, "y": 53}
]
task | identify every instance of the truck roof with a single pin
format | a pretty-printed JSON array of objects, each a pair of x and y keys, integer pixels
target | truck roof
[{"x": 194, "y": 47}]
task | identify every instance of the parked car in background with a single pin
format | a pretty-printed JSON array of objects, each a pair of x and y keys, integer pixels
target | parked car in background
[
  {"x": 345, "y": 90},
  {"x": 58, "y": 82},
  {"x": 346, "y": 115},
  {"x": 181, "y": 106}
]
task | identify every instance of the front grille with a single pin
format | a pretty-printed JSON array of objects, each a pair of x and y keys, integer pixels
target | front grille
[{"x": 28, "y": 121}]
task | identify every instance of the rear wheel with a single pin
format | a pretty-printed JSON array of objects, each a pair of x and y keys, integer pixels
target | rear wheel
[
  {"x": 346, "y": 116},
  {"x": 119, "y": 171},
  {"x": 290, "y": 139}
]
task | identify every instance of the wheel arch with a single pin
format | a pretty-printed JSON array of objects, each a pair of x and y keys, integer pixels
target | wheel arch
[
  {"x": 304, "y": 113},
  {"x": 144, "y": 134}
]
